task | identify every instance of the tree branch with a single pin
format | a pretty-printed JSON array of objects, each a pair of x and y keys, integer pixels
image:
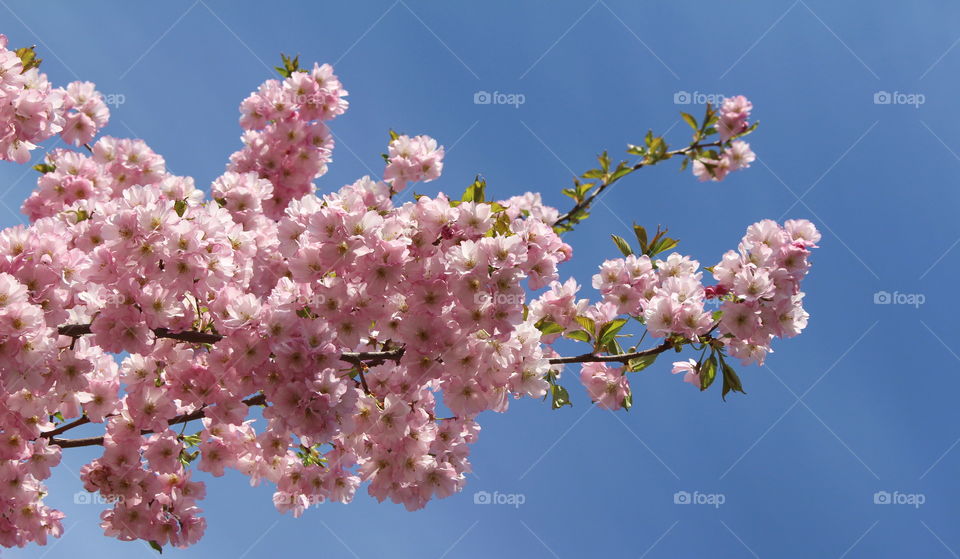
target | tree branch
[
  {"x": 360, "y": 359},
  {"x": 257, "y": 400},
  {"x": 624, "y": 358},
  {"x": 585, "y": 203}
]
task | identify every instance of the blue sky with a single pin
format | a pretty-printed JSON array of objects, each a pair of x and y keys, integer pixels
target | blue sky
[{"x": 862, "y": 402}]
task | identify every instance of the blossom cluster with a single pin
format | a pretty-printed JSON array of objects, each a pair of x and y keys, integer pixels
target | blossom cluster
[
  {"x": 371, "y": 333},
  {"x": 757, "y": 291},
  {"x": 760, "y": 286},
  {"x": 732, "y": 121},
  {"x": 285, "y": 138},
  {"x": 32, "y": 110},
  {"x": 412, "y": 160}
]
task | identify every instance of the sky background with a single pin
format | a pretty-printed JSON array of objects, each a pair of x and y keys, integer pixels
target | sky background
[{"x": 864, "y": 401}]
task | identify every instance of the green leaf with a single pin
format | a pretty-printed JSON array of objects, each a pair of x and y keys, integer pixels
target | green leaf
[
  {"x": 290, "y": 65},
  {"x": 187, "y": 457},
  {"x": 622, "y": 244},
  {"x": 180, "y": 206},
  {"x": 559, "y": 396},
  {"x": 708, "y": 371},
  {"x": 594, "y": 174},
  {"x": 476, "y": 192},
  {"x": 44, "y": 168},
  {"x": 588, "y": 324},
  {"x": 393, "y": 136},
  {"x": 623, "y": 169},
  {"x": 689, "y": 119},
  {"x": 156, "y": 546},
  {"x": 641, "y": 363},
  {"x": 613, "y": 347},
  {"x": 547, "y": 327},
  {"x": 604, "y": 160},
  {"x": 609, "y": 330},
  {"x": 663, "y": 245},
  {"x": 581, "y": 335},
  {"x": 628, "y": 400},
  {"x": 730, "y": 380},
  {"x": 750, "y": 129},
  {"x": 28, "y": 58},
  {"x": 641, "y": 234}
]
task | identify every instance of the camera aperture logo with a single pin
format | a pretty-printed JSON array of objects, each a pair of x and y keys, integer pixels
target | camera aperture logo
[
  {"x": 498, "y": 498},
  {"x": 499, "y": 98},
  {"x": 899, "y": 98},
  {"x": 897, "y": 298},
  {"x": 898, "y": 498},
  {"x": 698, "y": 498}
]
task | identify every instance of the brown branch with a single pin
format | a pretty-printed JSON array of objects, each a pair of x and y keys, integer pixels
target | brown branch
[
  {"x": 624, "y": 358},
  {"x": 190, "y": 336},
  {"x": 257, "y": 400},
  {"x": 371, "y": 358}
]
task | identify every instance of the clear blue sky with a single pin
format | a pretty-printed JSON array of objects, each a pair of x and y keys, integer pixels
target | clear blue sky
[{"x": 864, "y": 401}]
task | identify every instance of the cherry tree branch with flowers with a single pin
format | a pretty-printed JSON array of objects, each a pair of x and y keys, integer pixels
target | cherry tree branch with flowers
[{"x": 348, "y": 320}]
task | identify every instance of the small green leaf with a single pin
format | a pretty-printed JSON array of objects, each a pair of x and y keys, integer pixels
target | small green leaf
[
  {"x": 588, "y": 324},
  {"x": 560, "y": 397},
  {"x": 708, "y": 371},
  {"x": 44, "y": 168},
  {"x": 730, "y": 380},
  {"x": 641, "y": 234},
  {"x": 663, "y": 245},
  {"x": 622, "y": 244},
  {"x": 750, "y": 129},
  {"x": 641, "y": 363},
  {"x": 476, "y": 192},
  {"x": 290, "y": 65},
  {"x": 547, "y": 327},
  {"x": 604, "y": 160},
  {"x": 28, "y": 58},
  {"x": 689, "y": 119},
  {"x": 156, "y": 546},
  {"x": 609, "y": 330},
  {"x": 623, "y": 169},
  {"x": 581, "y": 335},
  {"x": 180, "y": 206},
  {"x": 628, "y": 400}
]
